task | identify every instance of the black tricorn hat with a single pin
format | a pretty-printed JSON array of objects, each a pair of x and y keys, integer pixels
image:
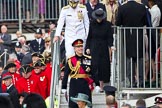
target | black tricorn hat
[
  {"x": 26, "y": 68},
  {"x": 109, "y": 90},
  {"x": 39, "y": 63},
  {"x": 34, "y": 100},
  {"x": 99, "y": 14},
  {"x": 35, "y": 54},
  {"x": 9, "y": 65}
]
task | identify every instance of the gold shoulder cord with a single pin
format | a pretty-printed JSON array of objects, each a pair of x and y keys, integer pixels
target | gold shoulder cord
[{"x": 74, "y": 69}]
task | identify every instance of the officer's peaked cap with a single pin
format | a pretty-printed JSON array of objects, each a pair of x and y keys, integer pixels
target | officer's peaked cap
[
  {"x": 109, "y": 90},
  {"x": 78, "y": 42}
]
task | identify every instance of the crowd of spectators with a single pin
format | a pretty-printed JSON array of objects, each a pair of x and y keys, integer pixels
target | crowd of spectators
[{"x": 28, "y": 69}]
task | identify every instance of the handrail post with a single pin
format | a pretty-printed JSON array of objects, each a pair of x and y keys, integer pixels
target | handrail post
[
  {"x": 5, "y": 56},
  {"x": 55, "y": 70},
  {"x": 20, "y": 19}
]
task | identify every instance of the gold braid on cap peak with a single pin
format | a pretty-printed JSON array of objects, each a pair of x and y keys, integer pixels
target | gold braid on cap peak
[{"x": 74, "y": 69}]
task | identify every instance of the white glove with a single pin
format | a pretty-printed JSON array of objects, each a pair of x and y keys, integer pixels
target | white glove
[{"x": 63, "y": 91}]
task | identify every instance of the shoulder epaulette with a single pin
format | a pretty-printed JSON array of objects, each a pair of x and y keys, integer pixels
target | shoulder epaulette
[
  {"x": 87, "y": 56},
  {"x": 82, "y": 6},
  {"x": 66, "y": 7}
]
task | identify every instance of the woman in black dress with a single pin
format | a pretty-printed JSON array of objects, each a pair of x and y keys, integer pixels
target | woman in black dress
[{"x": 98, "y": 45}]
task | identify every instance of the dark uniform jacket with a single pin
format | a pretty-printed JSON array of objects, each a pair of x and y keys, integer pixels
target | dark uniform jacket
[
  {"x": 77, "y": 85},
  {"x": 36, "y": 47},
  {"x": 19, "y": 56},
  {"x": 132, "y": 14},
  {"x": 13, "y": 94}
]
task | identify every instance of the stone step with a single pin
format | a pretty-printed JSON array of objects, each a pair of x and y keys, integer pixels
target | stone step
[
  {"x": 95, "y": 105},
  {"x": 100, "y": 97}
]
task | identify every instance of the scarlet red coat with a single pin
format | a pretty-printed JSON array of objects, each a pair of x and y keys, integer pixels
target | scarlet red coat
[{"x": 29, "y": 85}]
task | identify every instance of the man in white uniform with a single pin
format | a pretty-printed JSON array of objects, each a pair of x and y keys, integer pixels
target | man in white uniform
[{"x": 76, "y": 21}]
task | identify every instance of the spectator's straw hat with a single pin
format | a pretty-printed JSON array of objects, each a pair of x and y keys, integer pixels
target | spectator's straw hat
[
  {"x": 81, "y": 97},
  {"x": 99, "y": 14}
]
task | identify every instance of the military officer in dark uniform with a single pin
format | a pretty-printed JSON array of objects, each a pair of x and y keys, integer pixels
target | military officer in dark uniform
[
  {"x": 78, "y": 67},
  {"x": 18, "y": 53},
  {"x": 38, "y": 44}
]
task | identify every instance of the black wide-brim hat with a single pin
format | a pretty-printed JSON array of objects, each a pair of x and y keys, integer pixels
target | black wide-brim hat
[
  {"x": 109, "y": 90},
  {"x": 9, "y": 65},
  {"x": 99, "y": 14}
]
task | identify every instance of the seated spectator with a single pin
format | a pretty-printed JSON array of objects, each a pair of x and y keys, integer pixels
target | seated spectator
[
  {"x": 5, "y": 102},
  {"x": 33, "y": 101},
  {"x": 158, "y": 102},
  {"x": 81, "y": 100},
  {"x": 126, "y": 106},
  {"x": 47, "y": 44},
  {"x": 22, "y": 40},
  {"x": 140, "y": 103}
]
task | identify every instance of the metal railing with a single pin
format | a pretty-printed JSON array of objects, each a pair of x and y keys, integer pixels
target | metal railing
[
  {"x": 55, "y": 70},
  {"x": 137, "y": 61},
  {"x": 10, "y": 9}
]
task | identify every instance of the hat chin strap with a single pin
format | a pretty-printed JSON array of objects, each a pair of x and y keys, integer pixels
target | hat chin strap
[{"x": 73, "y": 4}]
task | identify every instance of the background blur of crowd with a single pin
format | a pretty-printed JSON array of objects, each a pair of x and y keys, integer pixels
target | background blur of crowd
[{"x": 25, "y": 58}]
